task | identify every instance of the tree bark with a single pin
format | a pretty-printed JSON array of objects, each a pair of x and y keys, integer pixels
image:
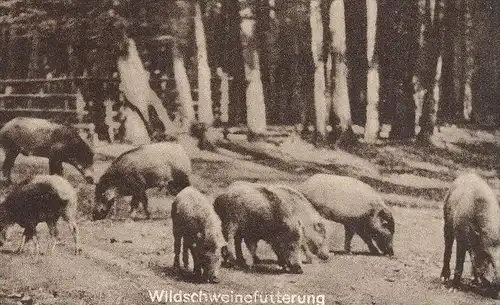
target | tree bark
[
  {"x": 135, "y": 85},
  {"x": 183, "y": 88},
  {"x": 449, "y": 106},
  {"x": 340, "y": 94},
  {"x": 469, "y": 58},
  {"x": 256, "y": 110},
  {"x": 486, "y": 92},
  {"x": 205, "y": 112},
  {"x": 320, "y": 106},
  {"x": 373, "y": 84},
  {"x": 401, "y": 90},
  {"x": 429, "y": 68}
]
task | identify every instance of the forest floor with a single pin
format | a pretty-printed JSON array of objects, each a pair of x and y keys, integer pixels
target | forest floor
[{"x": 123, "y": 260}]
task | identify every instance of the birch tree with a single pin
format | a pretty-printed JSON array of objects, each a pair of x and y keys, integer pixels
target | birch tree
[
  {"x": 373, "y": 84},
  {"x": 340, "y": 93},
  {"x": 428, "y": 72},
  {"x": 256, "y": 110},
  {"x": 205, "y": 114},
  {"x": 319, "y": 70}
]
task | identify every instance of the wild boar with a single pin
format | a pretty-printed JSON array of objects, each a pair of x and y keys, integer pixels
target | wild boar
[
  {"x": 354, "y": 204},
  {"x": 39, "y": 137},
  {"x": 132, "y": 173},
  {"x": 472, "y": 218},
  {"x": 43, "y": 198},
  {"x": 254, "y": 212},
  {"x": 316, "y": 229},
  {"x": 198, "y": 226}
]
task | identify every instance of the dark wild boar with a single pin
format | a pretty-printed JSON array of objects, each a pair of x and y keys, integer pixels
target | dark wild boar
[
  {"x": 198, "y": 226},
  {"x": 135, "y": 171},
  {"x": 472, "y": 218},
  {"x": 43, "y": 198},
  {"x": 39, "y": 137},
  {"x": 354, "y": 204},
  {"x": 253, "y": 212}
]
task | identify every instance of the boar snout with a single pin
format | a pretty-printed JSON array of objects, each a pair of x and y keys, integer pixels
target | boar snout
[
  {"x": 99, "y": 213},
  {"x": 296, "y": 269},
  {"x": 323, "y": 255}
]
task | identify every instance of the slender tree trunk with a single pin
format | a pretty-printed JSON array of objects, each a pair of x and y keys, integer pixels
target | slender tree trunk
[
  {"x": 205, "y": 112},
  {"x": 429, "y": 69},
  {"x": 183, "y": 88},
  {"x": 34, "y": 66},
  {"x": 356, "y": 57},
  {"x": 256, "y": 110},
  {"x": 232, "y": 61},
  {"x": 319, "y": 70},
  {"x": 373, "y": 84},
  {"x": 340, "y": 95},
  {"x": 469, "y": 58},
  {"x": 270, "y": 36},
  {"x": 448, "y": 108},
  {"x": 135, "y": 85}
]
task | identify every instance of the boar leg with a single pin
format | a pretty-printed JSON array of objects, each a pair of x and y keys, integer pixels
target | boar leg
[
  {"x": 177, "y": 249},
  {"x": 29, "y": 235},
  {"x": 240, "y": 260},
  {"x": 229, "y": 230},
  {"x": 459, "y": 263},
  {"x": 252, "y": 248},
  {"x": 55, "y": 166},
  {"x": 475, "y": 274},
  {"x": 349, "y": 234},
  {"x": 188, "y": 244},
  {"x": 21, "y": 244},
  {"x": 144, "y": 199},
  {"x": 8, "y": 163},
  {"x": 54, "y": 235},
  {"x": 368, "y": 241},
  {"x": 134, "y": 204},
  {"x": 74, "y": 231},
  {"x": 197, "y": 263},
  {"x": 448, "y": 245},
  {"x": 308, "y": 256}
]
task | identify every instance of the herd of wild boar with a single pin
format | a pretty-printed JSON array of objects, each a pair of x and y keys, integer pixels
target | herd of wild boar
[{"x": 293, "y": 221}]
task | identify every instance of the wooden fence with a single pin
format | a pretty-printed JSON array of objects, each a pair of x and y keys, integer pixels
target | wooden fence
[{"x": 92, "y": 104}]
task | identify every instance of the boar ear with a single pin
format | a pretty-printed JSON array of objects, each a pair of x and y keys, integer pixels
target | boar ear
[{"x": 319, "y": 227}]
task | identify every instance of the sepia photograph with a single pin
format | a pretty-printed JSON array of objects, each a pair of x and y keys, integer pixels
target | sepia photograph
[{"x": 320, "y": 152}]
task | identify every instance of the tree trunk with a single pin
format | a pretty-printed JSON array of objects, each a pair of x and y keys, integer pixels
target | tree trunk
[
  {"x": 135, "y": 131},
  {"x": 340, "y": 95},
  {"x": 372, "y": 123},
  {"x": 135, "y": 85},
  {"x": 34, "y": 66},
  {"x": 429, "y": 68},
  {"x": 449, "y": 106},
  {"x": 269, "y": 35},
  {"x": 401, "y": 90},
  {"x": 469, "y": 59},
  {"x": 183, "y": 88},
  {"x": 320, "y": 106},
  {"x": 205, "y": 112},
  {"x": 256, "y": 110}
]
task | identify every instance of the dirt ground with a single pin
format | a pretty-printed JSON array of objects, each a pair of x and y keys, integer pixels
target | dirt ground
[{"x": 123, "y": 259}]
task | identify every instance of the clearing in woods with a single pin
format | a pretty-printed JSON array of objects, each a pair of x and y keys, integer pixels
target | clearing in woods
[{"x": 123, "y": 259}]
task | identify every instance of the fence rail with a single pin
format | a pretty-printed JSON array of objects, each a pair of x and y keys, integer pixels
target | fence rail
[{"x": 92, "y": 104}]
